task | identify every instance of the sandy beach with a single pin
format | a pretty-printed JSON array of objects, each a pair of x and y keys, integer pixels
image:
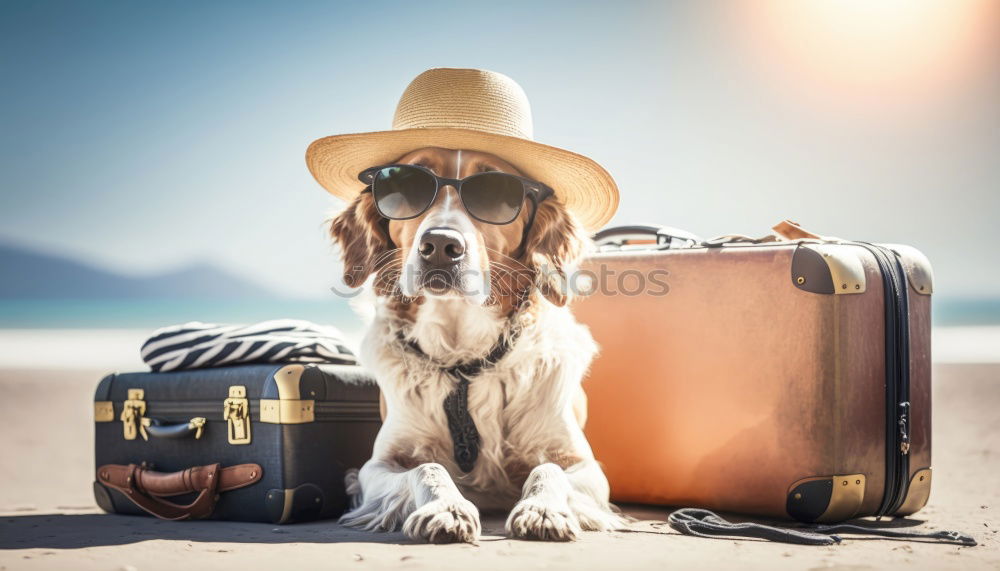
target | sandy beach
[{"x": 49, "y": 519}]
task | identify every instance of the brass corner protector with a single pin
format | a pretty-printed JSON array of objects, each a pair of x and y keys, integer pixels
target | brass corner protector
[
  {"x": 917, "y": 494},
  {"x": 279, "y": 504},
  {"x": 828, "y": 269},
  {"x": 287, "y": 379},
  {"x": 289, "y": 407},
  {"x": 826, "y": 498},
  {"x": 104, "y": 411},
  {"x": 302, "y": 503},
  {"x": 916, "y": 266}
]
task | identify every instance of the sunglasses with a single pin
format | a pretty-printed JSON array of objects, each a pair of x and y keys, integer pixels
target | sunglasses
[{"x": 402, "y": 192}]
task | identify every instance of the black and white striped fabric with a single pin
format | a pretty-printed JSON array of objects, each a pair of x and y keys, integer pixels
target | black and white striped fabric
[{"x": 197, "y": 345}]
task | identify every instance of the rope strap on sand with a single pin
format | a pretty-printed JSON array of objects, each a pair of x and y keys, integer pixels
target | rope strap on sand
[{"x": 704, "y": 523}]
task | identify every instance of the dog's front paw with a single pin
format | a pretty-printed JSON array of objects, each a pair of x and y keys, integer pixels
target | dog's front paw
[
  {"x": 539, "y": 519},
  {"x": 444, "y": 521}
]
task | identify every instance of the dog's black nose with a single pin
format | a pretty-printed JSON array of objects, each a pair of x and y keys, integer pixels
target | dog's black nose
[{"x": 442, "y": 247}]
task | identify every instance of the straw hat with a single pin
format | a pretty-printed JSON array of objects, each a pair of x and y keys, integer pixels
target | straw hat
[{"x": 467, "y": 109}]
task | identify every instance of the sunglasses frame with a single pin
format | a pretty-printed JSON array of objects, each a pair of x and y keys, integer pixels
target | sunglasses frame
[{"x": 532, "y": 189}]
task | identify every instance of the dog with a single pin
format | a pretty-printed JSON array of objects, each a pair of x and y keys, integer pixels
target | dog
[{"x": 434, "y": 311}]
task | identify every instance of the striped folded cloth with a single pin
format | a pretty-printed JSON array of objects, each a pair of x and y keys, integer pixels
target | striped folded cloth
[{"x": 198, "y": 345}]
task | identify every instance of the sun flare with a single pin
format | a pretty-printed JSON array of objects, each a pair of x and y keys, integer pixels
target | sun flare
[{"x": 885, "y": 46}]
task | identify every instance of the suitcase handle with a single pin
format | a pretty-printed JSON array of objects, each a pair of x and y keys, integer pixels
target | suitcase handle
[
  {"x": 146, "y": 488},
  {"x": 651, "y": 237},
  {"x": 645, "y": 236},
  {"x": 160, "y": 429}
]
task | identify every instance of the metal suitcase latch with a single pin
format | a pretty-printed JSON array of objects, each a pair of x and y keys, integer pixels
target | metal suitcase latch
[
  {"x": 236, "y": 411},
  {"x": 133, "y": 410}
]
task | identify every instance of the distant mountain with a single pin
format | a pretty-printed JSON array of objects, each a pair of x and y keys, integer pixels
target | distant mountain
[{"x": 27, "y": 274}]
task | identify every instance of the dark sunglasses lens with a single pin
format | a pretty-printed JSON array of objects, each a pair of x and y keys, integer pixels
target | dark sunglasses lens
[
  {"x": 493, "y": 197},
  {"x": 403, "y": 192}
]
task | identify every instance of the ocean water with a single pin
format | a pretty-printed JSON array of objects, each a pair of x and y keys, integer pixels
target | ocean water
[
  {"x": 150, "y": 314},
  {"x": 106, "y": 335},
  {"x": 145, "y": 314}
]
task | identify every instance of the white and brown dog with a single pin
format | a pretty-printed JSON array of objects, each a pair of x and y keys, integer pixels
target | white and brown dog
[{"x": 479, "y": 362}]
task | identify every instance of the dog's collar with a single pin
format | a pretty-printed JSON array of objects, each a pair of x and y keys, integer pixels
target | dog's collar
[
  {"x": 464, "y": 434},
  {"x": 468, "y": 369}
]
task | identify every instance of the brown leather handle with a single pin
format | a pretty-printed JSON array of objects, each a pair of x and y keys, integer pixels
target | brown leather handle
[
  {"x": 790, "y": 230},
  {"x": 146, "y": 488}
]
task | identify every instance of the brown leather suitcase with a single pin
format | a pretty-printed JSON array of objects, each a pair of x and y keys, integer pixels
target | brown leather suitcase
[{"x": 774, "y": 377}]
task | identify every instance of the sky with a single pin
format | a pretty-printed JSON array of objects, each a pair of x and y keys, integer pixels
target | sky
[{"x": 145, "y": 136}]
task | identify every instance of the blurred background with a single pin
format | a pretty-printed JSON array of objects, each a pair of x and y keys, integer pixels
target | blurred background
[{"x": 152, "y": 154}]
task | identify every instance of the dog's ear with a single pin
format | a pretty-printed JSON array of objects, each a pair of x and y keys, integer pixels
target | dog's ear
[
  {"x": 363, "y": 243},
  {"x": 555, "y": 244}
]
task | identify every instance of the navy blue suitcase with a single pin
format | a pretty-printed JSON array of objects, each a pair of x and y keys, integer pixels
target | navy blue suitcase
[{"x": 174, "y": 444}]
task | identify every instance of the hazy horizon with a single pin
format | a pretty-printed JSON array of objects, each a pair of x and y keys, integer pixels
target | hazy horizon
[{"x": 49, "y": 292}]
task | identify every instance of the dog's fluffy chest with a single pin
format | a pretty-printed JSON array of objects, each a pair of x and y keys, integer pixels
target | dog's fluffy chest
[{"x": 521, "y": 406}]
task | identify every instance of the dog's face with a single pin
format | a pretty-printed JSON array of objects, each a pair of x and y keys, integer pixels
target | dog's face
[{"x": 445, "y": 252}]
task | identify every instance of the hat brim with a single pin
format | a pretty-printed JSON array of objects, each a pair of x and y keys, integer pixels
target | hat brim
[{"x": 586, "y": 189}]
